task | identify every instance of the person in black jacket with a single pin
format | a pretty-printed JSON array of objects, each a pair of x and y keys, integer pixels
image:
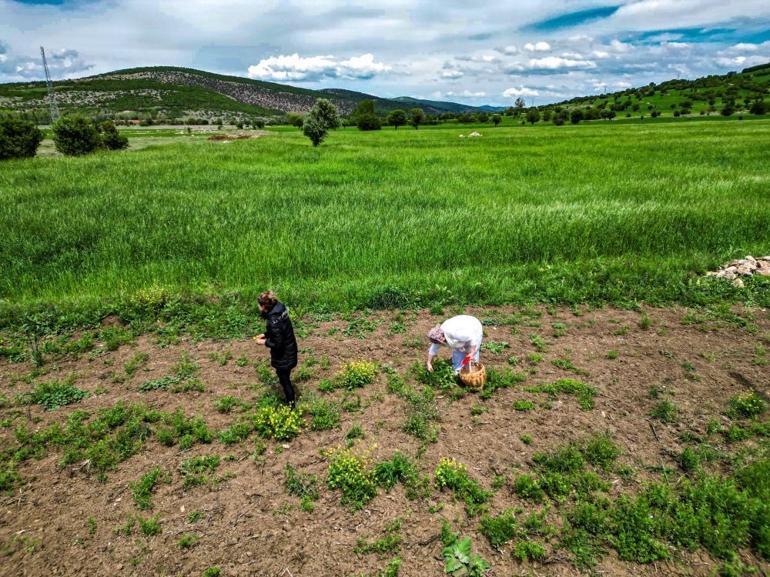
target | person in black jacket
[{"x": 279, "y": 338}]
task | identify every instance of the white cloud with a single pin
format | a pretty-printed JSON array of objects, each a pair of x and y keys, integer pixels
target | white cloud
[
  {"x": 510, "y": 49},
  {"x": 537, "y": 46},
  {"x": 294, "y": 67},
  {"x": 555, "y": 63},
  {"x": 520, "y": 91},
  {"x": 745, "y": 47},
  {"x": 467, "y": 94},
  {"x": 451, "y": 73}
]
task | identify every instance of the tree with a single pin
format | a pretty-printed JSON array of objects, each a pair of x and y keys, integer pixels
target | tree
[
  {"x": 533, "y": 116},
  {"x": 416, "y": 117},
  {"x": 111, "y": 138},
  {"x": 321, "y": 118},
  {"x": 758, "y": 108},
  {"x": 295, "y": 119},
  {"x": 397, "y": 118},
  {"x": 326, "y": 113},
  {"x": 314, "y": 129},
  {"x": 365, "y": 117},
  {"x": 576, "y": 116},
  {"x": 483, "y": 117},
  {"x": 496, "y": 119},
  {"x": 18, "y": 138},
  {"x": 519, "y": 104},
  {"x": 728, "y": 109},
  {"x": 547, "y": 115},
  {"x": 75, "y": 135}
]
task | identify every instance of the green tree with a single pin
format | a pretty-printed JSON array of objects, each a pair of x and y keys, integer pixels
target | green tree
[
  {"x": 111, "y": 138},
  {"x": 416, "y": 117},
  {"x": 397, "y": 118},
  {"x": 326, "y": 113},
  {"x": 18, "y": 138},
  {"x": 295, "y": 119},
  {"x": 496, "y": 119},
  {"x": 758, "y": 108},
  {"x": 533, "y": 116},
  {"x": 576, "y": 116},
  {"x": 75, "y": 135},
  {"x": 321, "y": 118}
]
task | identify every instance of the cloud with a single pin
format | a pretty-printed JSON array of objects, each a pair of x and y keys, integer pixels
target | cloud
[
  {"x": 556, "y": 63},
  {"x": 62, "y": 63},
  {"x": 467, "y": 94},
  {"x": 294, "y": 67},
  {"x": 745, "y": 47},
  {"x": 520, "y": 91},
  {"x": 537, "y": 46}
]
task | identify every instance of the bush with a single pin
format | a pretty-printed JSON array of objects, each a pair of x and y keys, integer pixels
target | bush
[
  {"x": 369, "y": 122},
  {"x": 111, "y": 138},
  {"x": 18, "y": 138},
  {"x": 75, "y": 135},
  {"x": 357, "y": 374}
]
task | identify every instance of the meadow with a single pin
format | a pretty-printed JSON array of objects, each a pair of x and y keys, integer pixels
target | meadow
[{"x": 591, "y": 213}]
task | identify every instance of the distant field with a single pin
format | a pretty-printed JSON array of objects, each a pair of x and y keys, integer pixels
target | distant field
[{"x": 601, "y": 212}]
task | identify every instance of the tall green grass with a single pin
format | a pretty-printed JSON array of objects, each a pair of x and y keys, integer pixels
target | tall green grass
[{"x": 603, "y": 212}]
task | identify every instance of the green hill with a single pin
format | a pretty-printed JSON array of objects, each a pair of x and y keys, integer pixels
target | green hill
[
  {"x": 700, "y": 97},
  {"x": 183, "y": 93}
]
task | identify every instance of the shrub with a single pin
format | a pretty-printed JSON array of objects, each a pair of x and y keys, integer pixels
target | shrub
[
  {"x": 75, "y": 135},
  {"x": 281, "y": 422},
  {"x": 111, "y": 138},
  {"x": 351, "y": 475},
  {"x": 18, "y": 138}
]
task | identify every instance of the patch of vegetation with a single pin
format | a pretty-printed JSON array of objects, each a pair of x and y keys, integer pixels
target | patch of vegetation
[
  {"x": 135, "y": 363},
  {"x": 187, "y": 540},
  {"x": 500, "y": 529},
  {"x": 227, "y": 403},
  {"x": 527, "y": 550},
  {"x": 442, "y": 377},
  {"x": 389, "y": 543},
  {"x": 324, "y": 415},
  {"x": 277, "y": 421},
  {"x": 302, "y": 485},
  {"x": 665, "y": 411},
  {"x": 354, "y": 375},
  {"x": 523, "y": 405},
  {"x": 568, "y": 365},
  {"x": 198, "y": 470},
  {"x": 142, "y": 490},
  {"x": 150, "y": 526},
  {"x": 585, "y": 393},
  {"x": 161, "y": 384},
  {"x": 747, "y": 406},
  {"x": 236, "y": 433},
  {"x": 500, "y": 380},
  {"x": 495, "y": 347},
  {"x": 352, "y": 475},
  {"x": 454, "y": 476},
  {"x": 459, "y": 558},
  {"x": 55, "y": 394}
]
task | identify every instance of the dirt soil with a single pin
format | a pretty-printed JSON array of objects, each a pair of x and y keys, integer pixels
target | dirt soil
[{"x": 251, "y": 526}]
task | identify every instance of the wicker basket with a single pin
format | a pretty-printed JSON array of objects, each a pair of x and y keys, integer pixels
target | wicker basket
[{"x": 473, "y": 376}]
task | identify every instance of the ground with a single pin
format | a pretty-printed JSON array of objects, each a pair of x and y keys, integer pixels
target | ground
[{"x": 63, "y": 520}]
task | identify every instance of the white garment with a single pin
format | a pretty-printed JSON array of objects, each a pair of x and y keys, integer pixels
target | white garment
[{"x": 462, "y": 333}]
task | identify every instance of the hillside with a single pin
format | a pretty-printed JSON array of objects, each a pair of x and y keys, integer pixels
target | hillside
[
  {"x": 702, "y": 96},
  {"x": 178, "y": 93}
]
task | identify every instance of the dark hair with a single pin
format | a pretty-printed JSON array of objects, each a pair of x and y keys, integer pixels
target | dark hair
[{"x": 267, "y": 298}]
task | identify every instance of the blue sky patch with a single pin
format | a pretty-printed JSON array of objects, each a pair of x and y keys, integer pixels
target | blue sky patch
[{"x": 572, "y": 19}]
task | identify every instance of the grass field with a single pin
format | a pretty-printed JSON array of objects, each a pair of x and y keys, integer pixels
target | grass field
[{"x": 603, "y": 212}]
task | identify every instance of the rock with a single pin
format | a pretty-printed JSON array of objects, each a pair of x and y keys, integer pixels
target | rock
[
  {"x": 744, "y": 270},
  {"x": 728, "y": 275},
  {"x": 762, "y": 271},
  {"x": 738, "y": 283}
]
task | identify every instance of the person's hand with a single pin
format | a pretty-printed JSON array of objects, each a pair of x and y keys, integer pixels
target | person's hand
[
  {"x": 429, "y": 366},
  {"x": 260, "y": 339}
]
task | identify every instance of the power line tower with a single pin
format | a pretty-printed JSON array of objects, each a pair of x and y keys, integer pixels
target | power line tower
[{"x": 53, "y": 108}]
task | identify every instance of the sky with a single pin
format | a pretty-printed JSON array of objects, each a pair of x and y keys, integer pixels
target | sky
[{"x": 480, "y": 52}]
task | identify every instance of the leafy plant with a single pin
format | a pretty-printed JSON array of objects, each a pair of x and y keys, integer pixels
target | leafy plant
[
  {"x": 461, "y": 561},
  {"x": 302, "y": 485},
  {"x": 55, "y": 394},
  {"x": 143, "y": 488},
  {"x": 747, "y": 405},
  {"x": 585, "y": 393},
  {"x": 523, "y": 405},
  {"x": 500, "y": 529},
  {"x": 352, "y": 476},
  {"x": 389, "y": 543},
  {"x": 197, "y": 470},
  {"x": 452, "y": 475},
  {"x": 665, "y": 411},
  {"x": 282, "y": 422}
]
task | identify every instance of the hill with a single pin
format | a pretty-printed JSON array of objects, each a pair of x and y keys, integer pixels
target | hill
[
  {"x": 177, "y": 93},
  {"x": 702, "y": 96}
]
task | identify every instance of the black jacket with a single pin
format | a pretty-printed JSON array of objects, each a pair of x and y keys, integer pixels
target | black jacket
[{"x": 279, "y": 338}]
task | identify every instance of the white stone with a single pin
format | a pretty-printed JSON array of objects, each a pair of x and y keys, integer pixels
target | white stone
[{"x": 738, "y": 283}]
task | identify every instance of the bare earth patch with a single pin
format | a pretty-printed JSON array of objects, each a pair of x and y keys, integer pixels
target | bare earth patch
[{"x": 248, "y": 523}]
